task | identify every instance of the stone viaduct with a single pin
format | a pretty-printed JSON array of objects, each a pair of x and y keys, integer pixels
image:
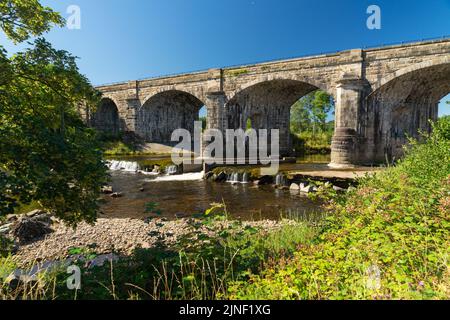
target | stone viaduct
[{"x": 382, "y": 96}]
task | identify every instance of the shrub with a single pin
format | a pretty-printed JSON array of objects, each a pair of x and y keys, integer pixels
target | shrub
[{"x": 387, "y": 239}]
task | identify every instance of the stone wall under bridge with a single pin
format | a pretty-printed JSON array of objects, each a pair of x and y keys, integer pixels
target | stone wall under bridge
[{"x": 382, "y": 96}]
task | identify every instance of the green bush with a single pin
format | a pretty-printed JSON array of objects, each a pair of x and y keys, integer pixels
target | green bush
[{"x": 388, "y": 239}]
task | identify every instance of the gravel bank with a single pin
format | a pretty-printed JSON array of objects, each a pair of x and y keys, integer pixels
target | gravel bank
[{"x": 121, "y": 236}]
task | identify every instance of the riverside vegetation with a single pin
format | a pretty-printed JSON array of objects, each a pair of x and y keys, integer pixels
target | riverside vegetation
[{"x": 386, "y": 239}]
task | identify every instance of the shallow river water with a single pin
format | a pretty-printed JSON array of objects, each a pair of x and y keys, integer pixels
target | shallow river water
[{"x": 187, "y": 195}]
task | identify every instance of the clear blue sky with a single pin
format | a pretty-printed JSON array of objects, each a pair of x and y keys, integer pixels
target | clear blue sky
[{"x": 132, "y": 39}]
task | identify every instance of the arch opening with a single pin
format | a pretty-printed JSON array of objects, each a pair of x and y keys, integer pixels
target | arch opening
[
  {"x": 106, "y": 117},
  {"x": 268, "y": 105},
  {"x": 402, "y": 108},
  {"x": 165, "y": 112},
  {"x": 203, "y": 117},
  {"x": 312, "y": 123}
]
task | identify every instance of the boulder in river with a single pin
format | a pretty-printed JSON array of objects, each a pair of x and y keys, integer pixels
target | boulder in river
[
  {"x": 107, "y": 190},
  {"x": 116, "y": 195},
  {"x": 294, "y": 187},
  {"x": 221, "y": 177},
  {"x": 264, "y": 180}
]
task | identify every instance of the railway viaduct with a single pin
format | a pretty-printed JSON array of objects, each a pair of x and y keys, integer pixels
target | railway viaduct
[{"x": 382, "y": 96}]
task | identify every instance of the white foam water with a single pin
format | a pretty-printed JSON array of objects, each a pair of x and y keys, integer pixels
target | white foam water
[
  {"x": 181, "y": 177},
  {"x": 236, "y": 178},
  {"x": 127, "y": 166}
]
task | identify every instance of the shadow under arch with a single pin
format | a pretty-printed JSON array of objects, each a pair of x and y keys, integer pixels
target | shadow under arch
[
  {"x": 267, "y": 104},
  {"x": 401, "y": 106},
  {"x": 106, "y": 117},
  {"x": 166, "y": 111}
]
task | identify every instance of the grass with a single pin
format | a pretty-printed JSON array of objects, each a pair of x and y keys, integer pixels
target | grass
[
  {"x": 115, "y": 148},
  {"x": 309, "y": 143}
]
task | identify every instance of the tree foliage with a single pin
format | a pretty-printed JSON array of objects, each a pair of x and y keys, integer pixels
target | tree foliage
[
  {"x": 21, "y": 19},
  {"x": 310, "y": 113},
  {"x": 47, "y": 154}
]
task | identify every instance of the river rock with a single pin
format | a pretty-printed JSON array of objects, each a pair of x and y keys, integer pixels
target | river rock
[
  {"x": 18, "y": 279},
  {"x": 221, "y": 177},
  {"x": 264, "y": 180},
  {"x": 107, "y": 190},
  {"x": 116, "y": 195},
  {"x": 35, "y": 213},
  {"x": 306, "y": 188},
  {"x": 27, "y": 230},
  {"x": 294, "y": 187},
  {"x": 338, "y": 189},
  {"x": 100, "y": 260},
  {"x": 5, "y": 228},
  {"x": 12, "y": 217},
  {"x": 209, "y": 175}
]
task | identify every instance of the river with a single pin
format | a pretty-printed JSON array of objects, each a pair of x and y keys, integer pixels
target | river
[{"x": 187, "y": 195}]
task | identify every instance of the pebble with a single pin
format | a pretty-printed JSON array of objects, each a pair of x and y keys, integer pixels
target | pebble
[{"x": 123, "y": 235}]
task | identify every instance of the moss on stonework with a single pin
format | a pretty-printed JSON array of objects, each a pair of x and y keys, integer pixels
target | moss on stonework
[{"x": 237, "y": 72}]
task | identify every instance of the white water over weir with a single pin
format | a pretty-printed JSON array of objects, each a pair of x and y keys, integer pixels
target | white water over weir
[
  {"x": 196, "y": 176},
  {"x": 171, "y": 170},
  {"x": 281, "y": 180},
  {"x": 128, "y": 166},
  {"x": 237, "y": 177}
]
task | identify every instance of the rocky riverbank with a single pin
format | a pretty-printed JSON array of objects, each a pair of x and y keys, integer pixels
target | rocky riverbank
[{"x": 119, "y": 236}]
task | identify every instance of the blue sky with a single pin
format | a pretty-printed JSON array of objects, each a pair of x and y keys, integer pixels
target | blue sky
[{"x": 133, "y": 39}]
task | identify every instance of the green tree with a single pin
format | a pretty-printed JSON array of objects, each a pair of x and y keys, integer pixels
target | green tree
[
  {"x": 21, "y": 19},
  {"x": 310, "y": 113},
  {"x": 204, "y": 122},
  {"x": 320, "y": 108},
  {"x": 47, "y": 154},
  {"x": 300, "y": 115}
]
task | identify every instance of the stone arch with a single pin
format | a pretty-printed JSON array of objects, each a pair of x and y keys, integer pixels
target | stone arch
[
  {"x": 279, "y": 77},
  {"x": 436, "y": 62},
  {"x": 106, "y": 117},
  {"x": 198, "y": 94},
  {"x": 401, "y": 105},
  {"x": 165, "y": 111},
  {"x": 267, "y": 103}
]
